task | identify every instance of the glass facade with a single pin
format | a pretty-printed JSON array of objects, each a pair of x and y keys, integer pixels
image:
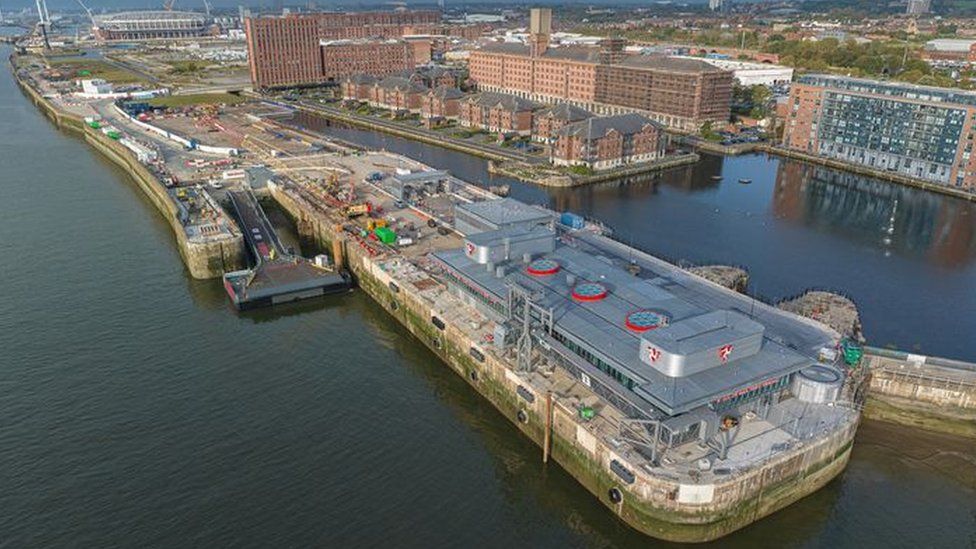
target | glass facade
[
  {"x": 929, "y": 133},
  {"x": 588, "y": 356}
]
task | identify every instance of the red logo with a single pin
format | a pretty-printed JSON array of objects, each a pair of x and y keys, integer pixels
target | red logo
[
  {"x": 653, "y": 353},
  {"x": 470, "y": 248},
  {"x": 724, "y": 351}
]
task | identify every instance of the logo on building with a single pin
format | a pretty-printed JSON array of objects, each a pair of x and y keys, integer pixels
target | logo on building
[
  {"x": 469, "y": 248},
  {"x": 724, "y": 352},
  {"x": 653, "y": 353}
]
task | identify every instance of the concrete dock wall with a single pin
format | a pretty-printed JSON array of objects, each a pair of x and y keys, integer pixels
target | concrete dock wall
[
  {"x": 204, "y": 260},
  {"x": 653, "y": 504},
  {"x": 925, "y": 392}
]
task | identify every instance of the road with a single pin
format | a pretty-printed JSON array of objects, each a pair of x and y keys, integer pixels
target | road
[{"x": 486, "y": 150}]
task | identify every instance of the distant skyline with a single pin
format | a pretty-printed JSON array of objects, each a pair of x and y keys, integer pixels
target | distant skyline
[{"x": 96, "y": 5}]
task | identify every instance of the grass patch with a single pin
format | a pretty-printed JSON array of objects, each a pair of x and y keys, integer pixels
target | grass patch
[
  {"x": 98, "y": 69},
  {"x": 197, "y": 99},
  {"x": 188, "y": 67}
]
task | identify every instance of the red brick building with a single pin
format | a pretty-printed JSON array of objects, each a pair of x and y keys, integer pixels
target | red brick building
[
  {"x": 285, "y": 51},
  {"x": 497, "y": 112},
  {"x": 441, "y": 102},
  {"x": 680, "y": 93},
  {"x": 397, "y": 94},
  {"x": 609, "y": 142},
  {"x": 357, "y": 87},
  {"x": 342, "y": 58},
  {"x": 546, "y": 123}
]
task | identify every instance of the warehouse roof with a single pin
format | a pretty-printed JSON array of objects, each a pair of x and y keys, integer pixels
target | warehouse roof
[
  {"x": 504, "y": 211},
  {"x": 668, "y": 63}
]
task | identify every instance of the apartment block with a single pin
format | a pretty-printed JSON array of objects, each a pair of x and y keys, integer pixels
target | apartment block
[{"x": 917, "y": 131}]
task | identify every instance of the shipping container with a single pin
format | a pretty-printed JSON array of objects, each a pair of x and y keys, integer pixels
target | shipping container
[{"x": 572, "y": 220}]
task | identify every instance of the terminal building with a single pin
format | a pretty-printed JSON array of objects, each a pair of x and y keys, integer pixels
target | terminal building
[
  {"x": 151, "y": 25},
  {"x": 921, "y": 132},
  {"x": 657, "y": 344}
]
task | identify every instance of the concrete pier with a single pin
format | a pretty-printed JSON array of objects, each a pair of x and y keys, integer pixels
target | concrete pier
[
  {"x": 926, "y": 392},
  {"x": 205, "y": 256},
  {"x": 673, "y": 504}
]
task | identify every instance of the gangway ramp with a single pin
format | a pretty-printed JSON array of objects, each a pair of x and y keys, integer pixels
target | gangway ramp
[{"x": 277, "y": 276}]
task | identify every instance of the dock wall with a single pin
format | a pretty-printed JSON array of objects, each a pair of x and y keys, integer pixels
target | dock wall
[
  {"x": 924, "y": 392},
  {"x": 653, "y": 503},
  {"x": 203, "y": 259}
]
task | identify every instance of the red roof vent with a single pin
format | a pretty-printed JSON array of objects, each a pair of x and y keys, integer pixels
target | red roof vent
[
  {"x": 589, "y": 291},
  {"x": 645, "y": 320},
  {"x": 543, "y": 267}
]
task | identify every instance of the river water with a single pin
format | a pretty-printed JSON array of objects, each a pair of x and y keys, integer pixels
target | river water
[{"x": 138, "y": 409}]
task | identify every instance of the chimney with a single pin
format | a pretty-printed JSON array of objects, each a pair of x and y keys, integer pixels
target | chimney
[{"x": 540, "y": 27}]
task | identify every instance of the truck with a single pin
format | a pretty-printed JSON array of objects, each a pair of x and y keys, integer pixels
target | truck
[{"x": 354, "y": 210}]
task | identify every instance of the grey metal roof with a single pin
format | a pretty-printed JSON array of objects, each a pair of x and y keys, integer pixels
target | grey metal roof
[
  {"x": 504, "y": 211},
  {"x": 594, "y": 128},
  {"x": 422, "y": 177},
  {"x": 599, "y": 326}
]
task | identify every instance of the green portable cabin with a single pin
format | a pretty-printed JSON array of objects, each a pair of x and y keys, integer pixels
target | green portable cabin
[
  {"x": 385, "y": 234},
  {"x": 852, "y": 352}
]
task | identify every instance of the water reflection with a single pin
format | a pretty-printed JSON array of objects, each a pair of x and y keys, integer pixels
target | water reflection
[{"x": 898, "y": 219}]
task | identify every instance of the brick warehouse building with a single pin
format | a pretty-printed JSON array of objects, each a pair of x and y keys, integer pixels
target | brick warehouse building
[
  {"x": 285, "y": 51},
  {"x": 918, "y": 131},
  {"x": 342, "y": 58},
  {"x": 680, "y": 93}
]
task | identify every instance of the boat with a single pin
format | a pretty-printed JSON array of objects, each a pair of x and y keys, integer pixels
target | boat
[
  {"x": 716, "y": 178},
  {"x": 745, "y": 181}
]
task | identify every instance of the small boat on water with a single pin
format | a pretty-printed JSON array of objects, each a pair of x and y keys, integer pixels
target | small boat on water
[
  {"x": 745, "y": 181},
  {"x": 716, "y": 178}
]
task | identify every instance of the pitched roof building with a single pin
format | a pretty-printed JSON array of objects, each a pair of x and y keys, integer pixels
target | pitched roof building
[{"x": 610, "y": 141}]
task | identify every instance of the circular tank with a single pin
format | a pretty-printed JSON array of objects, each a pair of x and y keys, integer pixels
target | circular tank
[{"x": 818, "y": 384}]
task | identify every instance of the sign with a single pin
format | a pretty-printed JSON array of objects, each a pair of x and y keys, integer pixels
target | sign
[
  {"x": 585, "y": 379},
  {"x": 469, "y": 249},
  {"x": 653, "y": 353},
  {"x": 724, "y": 352}
]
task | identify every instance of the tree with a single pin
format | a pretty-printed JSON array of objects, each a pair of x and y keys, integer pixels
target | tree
[{"x": 760, "y": 96}]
